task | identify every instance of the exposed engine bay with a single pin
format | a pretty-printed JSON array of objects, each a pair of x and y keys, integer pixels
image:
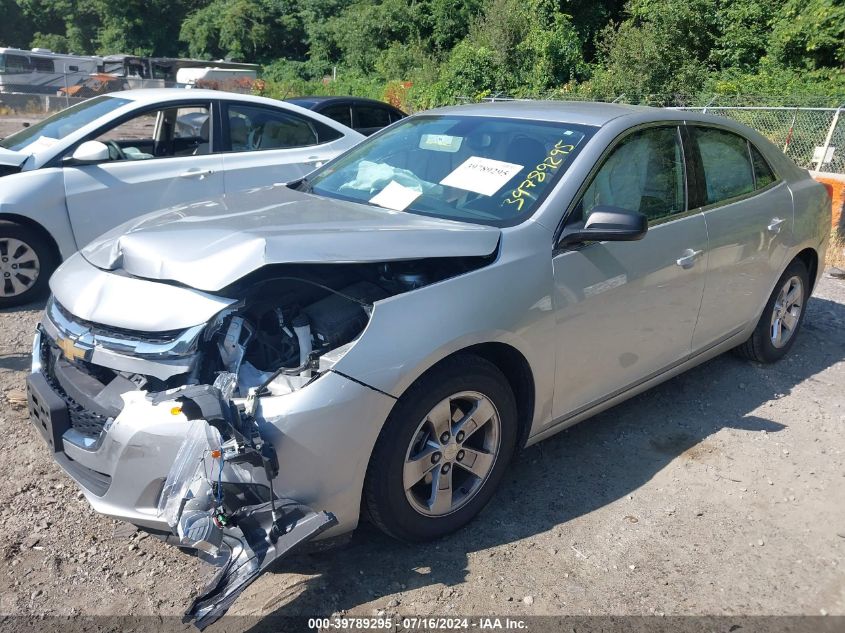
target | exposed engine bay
[{"x": 288, "y": 317}]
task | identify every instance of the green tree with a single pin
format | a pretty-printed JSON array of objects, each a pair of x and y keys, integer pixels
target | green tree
[
  {"x": 245, "y": 30},
  {"x": 744, "y": 33},
  {"x": 809, "y": 34},
  {"x": 659, "y": 51},
  {"x": 15, "y": 27}
]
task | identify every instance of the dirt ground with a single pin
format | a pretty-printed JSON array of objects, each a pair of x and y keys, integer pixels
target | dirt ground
[{"x": 719, "y": 492}]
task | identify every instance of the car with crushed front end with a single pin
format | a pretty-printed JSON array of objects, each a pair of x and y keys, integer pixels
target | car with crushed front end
[
  {"x": 246, "y": 374},
  {"x": 69, "y": 178}
]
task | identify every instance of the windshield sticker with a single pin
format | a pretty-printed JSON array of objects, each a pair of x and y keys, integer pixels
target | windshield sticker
[
  {"x": 42, "y": 142},
  {"x": 481, "y": 175},
  {"x": 395, "y": 196},
  {"x": 441, "y": 142},
  {"x": 549, "y": 165}
]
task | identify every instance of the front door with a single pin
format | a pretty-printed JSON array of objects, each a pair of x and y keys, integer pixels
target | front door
[
  {"x": 160, "y": 158},
  {"x": 625, "y": 311}
]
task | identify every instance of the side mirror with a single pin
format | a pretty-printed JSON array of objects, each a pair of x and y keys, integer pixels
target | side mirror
[
  {"x": 605, "y": 223},
  {"x": 90, "y": 152}
]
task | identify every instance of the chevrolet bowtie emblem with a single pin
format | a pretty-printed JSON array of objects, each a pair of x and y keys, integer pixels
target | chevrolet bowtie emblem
[{"x": 69, "y": 349}]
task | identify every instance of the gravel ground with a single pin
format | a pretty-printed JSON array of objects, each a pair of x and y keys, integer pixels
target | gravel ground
[{"x": 719, "y": 492}]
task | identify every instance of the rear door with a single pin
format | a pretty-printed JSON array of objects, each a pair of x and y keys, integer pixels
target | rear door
[
  {"x": 155, "y": 162},
  {"x": 265, "y": 146},
  {"x": 626, "y": 311},
  {"x": 749, "y": 216}
]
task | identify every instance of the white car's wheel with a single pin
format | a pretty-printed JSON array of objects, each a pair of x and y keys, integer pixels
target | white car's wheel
[{"x": 26, "y": 263}]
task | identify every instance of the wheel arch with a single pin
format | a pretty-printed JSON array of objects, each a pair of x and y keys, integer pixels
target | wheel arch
[
  {"x": 810, "y": 259},
  {"x": 517, "y": 371},
  {"x": 13, "y": 218}
]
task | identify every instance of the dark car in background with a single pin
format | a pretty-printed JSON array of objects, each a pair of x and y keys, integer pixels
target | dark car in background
[{"x": 365, "y": 116}]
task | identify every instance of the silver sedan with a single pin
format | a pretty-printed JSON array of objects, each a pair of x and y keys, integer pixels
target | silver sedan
[{"x": 245, "y": 374}]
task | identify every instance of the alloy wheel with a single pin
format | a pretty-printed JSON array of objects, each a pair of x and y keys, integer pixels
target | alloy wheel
[
  {"x": 452, "y": 453},
  {"x": 786, "y": 312},
  {"x": 19, "y": 267}
]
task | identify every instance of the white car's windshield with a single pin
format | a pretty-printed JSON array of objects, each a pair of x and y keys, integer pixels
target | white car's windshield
[
  {"x": 52, "y": 129},
  {"x": 475, "y": 169}
]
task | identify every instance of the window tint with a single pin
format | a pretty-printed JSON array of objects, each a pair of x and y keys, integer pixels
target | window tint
[
  {"x": 644, "y": 173},
  {"x": 340, "y": 113},
  {"x": 371, "y": 116},
  {"x": 763, "y": 175},
  {"x": 727, "y": 168},
  {"x": 395, "y": 116},
  {"x": 256, "y": 128}
]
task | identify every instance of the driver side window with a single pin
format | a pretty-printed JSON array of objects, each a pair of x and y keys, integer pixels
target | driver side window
[
  {"x": 644, "y": 173},
  {"x": 161, "y": 133}
]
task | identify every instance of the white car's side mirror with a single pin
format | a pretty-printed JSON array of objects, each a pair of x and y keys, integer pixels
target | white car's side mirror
[{"x": 91, "y": 152}]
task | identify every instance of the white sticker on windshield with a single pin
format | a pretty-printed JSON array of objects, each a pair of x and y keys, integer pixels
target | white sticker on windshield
[
  {"x": 441, "y": 142},
  {"x": 481, "y": 175},
  {"x": 42, "y": 142},
  {"x": 395, "y": 196}
]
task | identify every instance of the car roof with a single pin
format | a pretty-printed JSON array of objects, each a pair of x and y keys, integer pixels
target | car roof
[
  {"x": 320, "y": 100},
  {"x": 159, "y": 95},
  {"x": 578, "y": 112}
]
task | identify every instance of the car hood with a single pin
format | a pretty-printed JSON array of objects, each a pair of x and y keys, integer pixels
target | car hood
[
  {"x": 209, "y": 245},
  {"x": 11, "y": 158}
]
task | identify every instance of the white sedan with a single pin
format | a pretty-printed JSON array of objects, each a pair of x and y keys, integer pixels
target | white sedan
[{"x": 86, "y": 169}]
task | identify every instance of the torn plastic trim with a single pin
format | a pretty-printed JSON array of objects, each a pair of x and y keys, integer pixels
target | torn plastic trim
[
  {"x": 250, "y": 548},
  {"x": 243, "y": 541}
]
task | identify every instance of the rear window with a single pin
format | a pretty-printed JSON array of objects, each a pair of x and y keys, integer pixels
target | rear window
[
  {"x": 763, "y": 175},
  {"x": 340, "y": 113},
  {"x": 726, "y": 164},
  {"x": 370, "y": 116}
]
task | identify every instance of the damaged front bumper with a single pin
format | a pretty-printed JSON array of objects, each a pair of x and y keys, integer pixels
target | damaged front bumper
[{"x": 320, "y": 436}]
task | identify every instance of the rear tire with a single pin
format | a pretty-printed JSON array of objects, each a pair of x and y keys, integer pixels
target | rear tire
[
  {"x": 27, "y": 260},
  {"x": 782, "y": 317},
  {"x": 442, "y": 451}
]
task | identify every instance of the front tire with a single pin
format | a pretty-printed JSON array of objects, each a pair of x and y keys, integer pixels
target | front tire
[
  {"x": 26, "y": 263},
  {"x": 782, "y": 317},
  {"x": 442, "y": 451}
]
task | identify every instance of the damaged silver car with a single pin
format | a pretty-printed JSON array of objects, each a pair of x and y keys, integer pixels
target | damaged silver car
[{"x": 245, "y": 374}]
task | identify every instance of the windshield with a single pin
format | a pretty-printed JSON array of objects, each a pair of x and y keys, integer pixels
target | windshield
[
  {"x": 52, "y": 129},
  {"x": 474, "y": 169}
]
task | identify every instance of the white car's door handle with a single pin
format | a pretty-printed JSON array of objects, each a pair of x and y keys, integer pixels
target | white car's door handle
[
  {"x": 687, "y": 260},
  {"x": 774, "y": 225},
  {"x": 196, "y": 173}
]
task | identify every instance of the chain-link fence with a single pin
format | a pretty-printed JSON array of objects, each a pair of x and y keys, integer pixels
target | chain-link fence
[{"x": 812, "y": 137}]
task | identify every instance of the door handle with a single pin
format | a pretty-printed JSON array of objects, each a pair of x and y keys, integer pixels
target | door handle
[
  {"x": 687, "y": 260},
  {"x": 774, "y": 225},
  {"x": 196, "y": 173}
]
